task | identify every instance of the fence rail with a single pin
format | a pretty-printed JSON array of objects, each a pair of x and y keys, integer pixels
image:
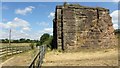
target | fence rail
[
  {"x": 38, "y": 60},
  {"x": 11, "y": 50}
]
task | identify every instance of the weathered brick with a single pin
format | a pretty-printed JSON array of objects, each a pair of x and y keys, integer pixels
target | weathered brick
[{"x": 80, "y": 26}]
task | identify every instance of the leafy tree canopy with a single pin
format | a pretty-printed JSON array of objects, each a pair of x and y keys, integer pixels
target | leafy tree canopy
[{"x": 44, "y": 38}]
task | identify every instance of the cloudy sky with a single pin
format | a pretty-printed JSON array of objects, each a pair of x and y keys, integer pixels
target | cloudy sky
[{"x": 32, "y": 19}]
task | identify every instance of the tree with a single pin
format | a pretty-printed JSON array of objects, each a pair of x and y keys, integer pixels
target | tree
[
  {"x": 3, "y": 40},
  {"x": 15, "y": 41},
  {"x": 117, "y": 31},
  {"x": 6, "y": 40},
  {"x": 22, "y": 40},
  {"x": 44, "y": 38},
  {"x": 49, "y": 42},
  {"x": 28, "y": 40},
  {"x": 32, "y": 45}
]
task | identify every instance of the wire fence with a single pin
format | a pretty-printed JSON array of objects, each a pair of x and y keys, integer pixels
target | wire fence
[{"x": 38, "y": 60}]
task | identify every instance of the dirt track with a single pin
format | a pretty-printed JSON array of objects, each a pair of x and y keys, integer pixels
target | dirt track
[
  {"x": 23, "y": 59},
  {"x": 99, "y": 58}
]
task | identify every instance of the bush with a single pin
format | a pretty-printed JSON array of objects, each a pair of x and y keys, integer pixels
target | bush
[
  {"x": 32, "y": 45},
  {"x": 45, "y": 39},
  {"x": 37, "y": 44}
]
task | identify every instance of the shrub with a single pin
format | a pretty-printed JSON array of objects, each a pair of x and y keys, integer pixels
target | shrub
[{"x": 32, "y": 45}]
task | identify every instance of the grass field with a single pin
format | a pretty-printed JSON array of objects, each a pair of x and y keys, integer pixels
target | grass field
[
  {"x": 108, "y": 57},
  {"x": 103, "y": 57},
  {"x": 12, "y": 44},
  {"x": 15, "y": 44},
  {"x": 97, "y": 57}
]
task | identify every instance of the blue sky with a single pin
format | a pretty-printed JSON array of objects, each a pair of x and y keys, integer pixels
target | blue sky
[{"x": 32, "y": 19}]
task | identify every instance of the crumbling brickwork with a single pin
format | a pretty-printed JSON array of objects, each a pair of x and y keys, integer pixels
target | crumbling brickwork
[{"x": 77, "y": 26}]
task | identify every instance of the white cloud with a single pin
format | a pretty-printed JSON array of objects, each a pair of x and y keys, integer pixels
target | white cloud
[
  {"x": 38, "y": 34},
  {"x": 46, "y": 30},
  {"x": 25, "y": 10},
  {"x": 52, "y": 14},
  {"x": 16, "y": 23},
  {"x": 115, "y": 26},
  {"x": 19, "y": 28},
  {"x": 16, "y": 34},
  {"x": 43, "y": 24},
  {"x": 26, "y": 29},
  {"x": 115, "y": 0},
  {"x": 2, "y": 25},
  {"x": 3, "y": 7},
  {"x": 4, "y": 20},
  {"x": 3, "y": 34},
  {"x": 115, "y": 19}
]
